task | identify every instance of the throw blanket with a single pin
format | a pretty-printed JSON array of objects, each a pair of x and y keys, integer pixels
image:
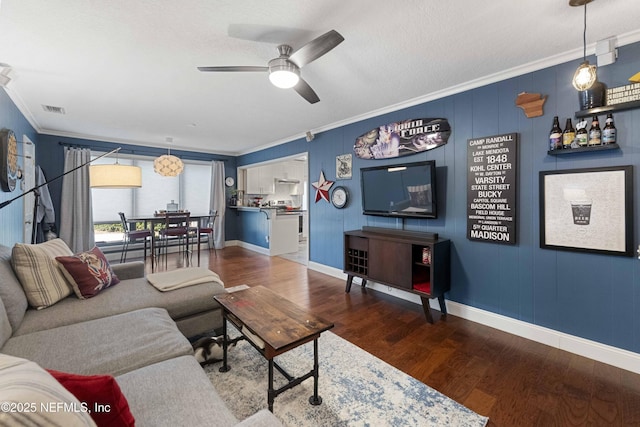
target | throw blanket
[{"x": 176, "y": 279}]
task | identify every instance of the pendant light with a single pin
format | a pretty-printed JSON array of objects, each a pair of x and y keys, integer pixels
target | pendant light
[
  {"x": 585, "y": 76},
  {"x": 168, "y": 165}
]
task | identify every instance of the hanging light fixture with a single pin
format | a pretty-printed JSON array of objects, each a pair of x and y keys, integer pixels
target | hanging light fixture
[
  {"x": 115, "y": 175},
  {"x": 282, "y": 72},
  {"x": 284, "y": 75},
  {"x": 585, "y": 76},
  {"x": 168, "y": 165}
]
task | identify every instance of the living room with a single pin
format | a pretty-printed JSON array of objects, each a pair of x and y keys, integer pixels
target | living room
[{"x": 578, "y": 301}]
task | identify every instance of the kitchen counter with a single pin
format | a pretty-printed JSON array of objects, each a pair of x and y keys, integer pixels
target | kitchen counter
[
  {"x": 296, "y": 212},
  {"x": 272, "y": 233},
  {"x": 269, "y": 210},
  {"x": 251, "y": 208}
]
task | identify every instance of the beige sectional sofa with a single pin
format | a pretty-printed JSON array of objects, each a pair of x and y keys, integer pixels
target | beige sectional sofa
[{"x": 131, "y": 331}]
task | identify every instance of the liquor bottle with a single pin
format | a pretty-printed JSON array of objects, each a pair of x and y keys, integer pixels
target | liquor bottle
[
  {"x": 582, "y": 137},
  {"x": 555, "y": 136},
  {"x": 568, "y": 135},
  {"x": 594, "y": 132},
  {"x": 609, "y": 131}
]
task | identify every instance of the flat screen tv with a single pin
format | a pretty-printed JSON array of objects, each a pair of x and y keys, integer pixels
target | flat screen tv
[{"x": 406, "y": 191}]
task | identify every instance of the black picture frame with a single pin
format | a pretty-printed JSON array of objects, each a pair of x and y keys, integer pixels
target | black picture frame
[{"x": 587, "y": 210}]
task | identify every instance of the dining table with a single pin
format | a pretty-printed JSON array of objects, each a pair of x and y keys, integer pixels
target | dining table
[{"x": 150, "y": 221}]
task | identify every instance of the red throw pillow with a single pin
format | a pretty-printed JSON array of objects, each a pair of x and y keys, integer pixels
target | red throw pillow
[
  {"x": 101, "y": 394},
  {"x": 88, "y": 272}
]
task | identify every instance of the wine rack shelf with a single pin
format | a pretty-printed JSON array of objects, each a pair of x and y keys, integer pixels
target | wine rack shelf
[{"x": 583, "y": 149}]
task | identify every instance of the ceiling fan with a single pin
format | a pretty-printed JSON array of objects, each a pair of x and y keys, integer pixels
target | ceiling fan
[{"x": 284, "y": 71}]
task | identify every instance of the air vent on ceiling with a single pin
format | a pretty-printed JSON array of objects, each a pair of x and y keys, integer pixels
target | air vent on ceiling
[{"x": 53, "y": 109}]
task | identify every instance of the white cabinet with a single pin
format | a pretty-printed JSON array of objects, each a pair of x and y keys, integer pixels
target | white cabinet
[
  {"x": 260, "y": 180},
  {"x": 283, "y": 237}
]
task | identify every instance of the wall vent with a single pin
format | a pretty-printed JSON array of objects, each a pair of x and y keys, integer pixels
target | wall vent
[{"x": 53, "y": 109}]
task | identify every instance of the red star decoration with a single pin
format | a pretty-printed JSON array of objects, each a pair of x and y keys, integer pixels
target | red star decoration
[{"x": 322, "y": 187}]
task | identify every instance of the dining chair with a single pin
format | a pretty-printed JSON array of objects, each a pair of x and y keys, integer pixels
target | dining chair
[
  {"x": 132, "y": 236},
  {"x": 176, "y": 228},
  {"x": 206, "y": 229}
]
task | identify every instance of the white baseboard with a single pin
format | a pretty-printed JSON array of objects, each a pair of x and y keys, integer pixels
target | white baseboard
[
  {"x": 255, "y": 248},
  {"x": 610, "y": 355}
]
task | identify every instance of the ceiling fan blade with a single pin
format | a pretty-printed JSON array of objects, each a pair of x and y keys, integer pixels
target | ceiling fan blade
[
  {"x": 305, "y": 91},
  {"x": 316, "y": 48},
  {"x": 268, "y": 33},
  {"x": 234, "y": 68}
]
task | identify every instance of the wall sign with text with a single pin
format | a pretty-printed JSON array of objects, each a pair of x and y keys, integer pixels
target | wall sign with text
[
  {"x": 492, "y": 188},
  {"x": 402, "y": 138}
]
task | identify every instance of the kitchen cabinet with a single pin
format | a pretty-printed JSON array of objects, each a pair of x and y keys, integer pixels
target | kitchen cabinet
[
  {"x": 283, "y": 237},
  {"x": 260, "y": 180}
]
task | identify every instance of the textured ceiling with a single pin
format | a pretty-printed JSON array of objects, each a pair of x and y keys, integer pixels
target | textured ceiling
[{"x": 125, "y": 71}]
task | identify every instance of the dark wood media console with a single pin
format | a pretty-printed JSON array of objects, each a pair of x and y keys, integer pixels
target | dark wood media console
[{"x": 413, "y": 261}]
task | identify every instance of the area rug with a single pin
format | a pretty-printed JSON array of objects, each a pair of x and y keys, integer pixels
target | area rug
[{"x": 357, "y": 389}]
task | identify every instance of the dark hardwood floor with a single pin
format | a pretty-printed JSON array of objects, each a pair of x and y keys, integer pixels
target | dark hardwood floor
[{"x": 513, "y": 381}]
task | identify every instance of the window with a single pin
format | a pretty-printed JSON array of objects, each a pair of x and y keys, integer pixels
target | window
[{"x": 191, "y": 190}]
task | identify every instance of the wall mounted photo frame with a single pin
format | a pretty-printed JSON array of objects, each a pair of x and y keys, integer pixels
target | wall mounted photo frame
[
  {"x": 344, "y": 166},
  {"x": 587, "y": 210}
]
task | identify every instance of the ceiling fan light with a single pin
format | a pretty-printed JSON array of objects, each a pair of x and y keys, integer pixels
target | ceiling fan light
[
  {"x": 585, "y": 76},
  {"x": 283, "y": 74},
  {"x": 284, "y": 79}
]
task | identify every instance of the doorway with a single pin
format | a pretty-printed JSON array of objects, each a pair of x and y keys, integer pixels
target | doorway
[{"x": 281, "y": 186}]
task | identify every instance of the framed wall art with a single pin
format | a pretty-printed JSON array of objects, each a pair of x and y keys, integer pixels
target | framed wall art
[
  {"x": 587, "y": 210},
  {"x": 344, "y": 166},
  {"x": 9, "y": 160}
]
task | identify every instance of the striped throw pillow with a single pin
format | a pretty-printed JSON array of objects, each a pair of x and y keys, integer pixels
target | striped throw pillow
[
  {"x": 30, "y": 396},
  {"x": 36, "y": 267}
]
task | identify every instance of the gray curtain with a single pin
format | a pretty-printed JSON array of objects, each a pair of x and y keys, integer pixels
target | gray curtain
[
  {"x": 45, "y": 213},
  {"x": 76, "y": 218},
  {"x": 217, "y": 202}
]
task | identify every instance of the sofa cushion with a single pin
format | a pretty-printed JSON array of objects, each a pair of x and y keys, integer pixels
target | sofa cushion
[
  {"x": 88, "y": 272},
  {"x": 11, "y": 292},
  {"x": 129, "y": 270},
  {"x": 24, "y": 383},
  {"x": 101, "y": 393},
  {"x": 112, "y": 345},
  {"x": 38, "y": 271},
  {"x": 174, "y": 392},
  {"x": 129, "y": 295}
]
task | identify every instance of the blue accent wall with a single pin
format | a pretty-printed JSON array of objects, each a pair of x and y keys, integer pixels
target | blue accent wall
[
  {"x": 11, "y": 218},
  {"x": 596, "y": 297}
]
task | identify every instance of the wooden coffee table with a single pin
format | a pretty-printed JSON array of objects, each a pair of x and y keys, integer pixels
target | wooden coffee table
[{"x": 273, "y": 325}]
